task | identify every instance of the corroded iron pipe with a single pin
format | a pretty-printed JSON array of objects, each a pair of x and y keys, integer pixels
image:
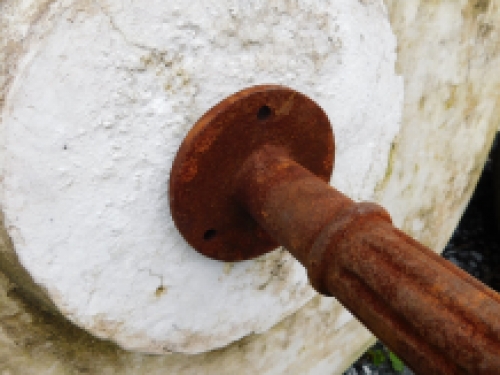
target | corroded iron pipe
[
  {"x": 252, "y": 174},
  {"x": 436, "y": 317}
]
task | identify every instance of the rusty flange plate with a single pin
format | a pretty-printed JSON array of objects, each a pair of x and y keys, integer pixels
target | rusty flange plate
[{"x": 202, "y": 198}]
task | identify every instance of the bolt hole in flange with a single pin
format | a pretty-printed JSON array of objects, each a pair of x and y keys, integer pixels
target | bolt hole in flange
[
  {"x": 264, "y": 113},
  {"x": 202, "y": 180},
  {"x": 209, "y": 234}
]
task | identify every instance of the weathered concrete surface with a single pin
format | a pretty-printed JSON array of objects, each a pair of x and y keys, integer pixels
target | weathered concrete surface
[
  {"x": 92, "y": 121},
  {"x": 450, "y": 116},
  {"x": 448, "y": 52}
]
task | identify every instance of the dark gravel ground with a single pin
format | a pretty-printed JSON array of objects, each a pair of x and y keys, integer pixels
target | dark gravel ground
[{"x": 474, "y": 247}]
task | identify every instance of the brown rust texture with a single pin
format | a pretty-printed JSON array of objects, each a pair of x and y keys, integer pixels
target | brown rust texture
[
  {"x": 202, "y": 191},
  {"x": 436, "y": 317},
  {"x": 244, "y": 181},
  {"x": 285, "y": 200}
]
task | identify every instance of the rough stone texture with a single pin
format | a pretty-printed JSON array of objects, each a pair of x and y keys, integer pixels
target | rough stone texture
[
  {"x": 320, "y": 338},
  {"x": 92, "y": 121},
  {"x": 34, "y": 342},
  {"x": 449, "y": 53}
]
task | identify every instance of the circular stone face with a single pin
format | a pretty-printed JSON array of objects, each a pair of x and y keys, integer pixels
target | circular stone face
[{"x": 94, "y": 119}]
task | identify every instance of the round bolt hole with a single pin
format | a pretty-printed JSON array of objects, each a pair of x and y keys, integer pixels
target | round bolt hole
[
  {"x": 209, "y": 234},
  {"x": 264, "y": 112}
]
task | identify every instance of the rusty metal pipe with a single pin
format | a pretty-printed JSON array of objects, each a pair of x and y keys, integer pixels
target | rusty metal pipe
[
  {"x": 252, "y": 174},
  {"x": 436, "y": 317}
]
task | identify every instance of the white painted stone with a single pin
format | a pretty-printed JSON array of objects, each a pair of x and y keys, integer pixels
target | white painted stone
[
  {"x": 93, "y": 120},
  {"x": 451, "y": 112}
]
